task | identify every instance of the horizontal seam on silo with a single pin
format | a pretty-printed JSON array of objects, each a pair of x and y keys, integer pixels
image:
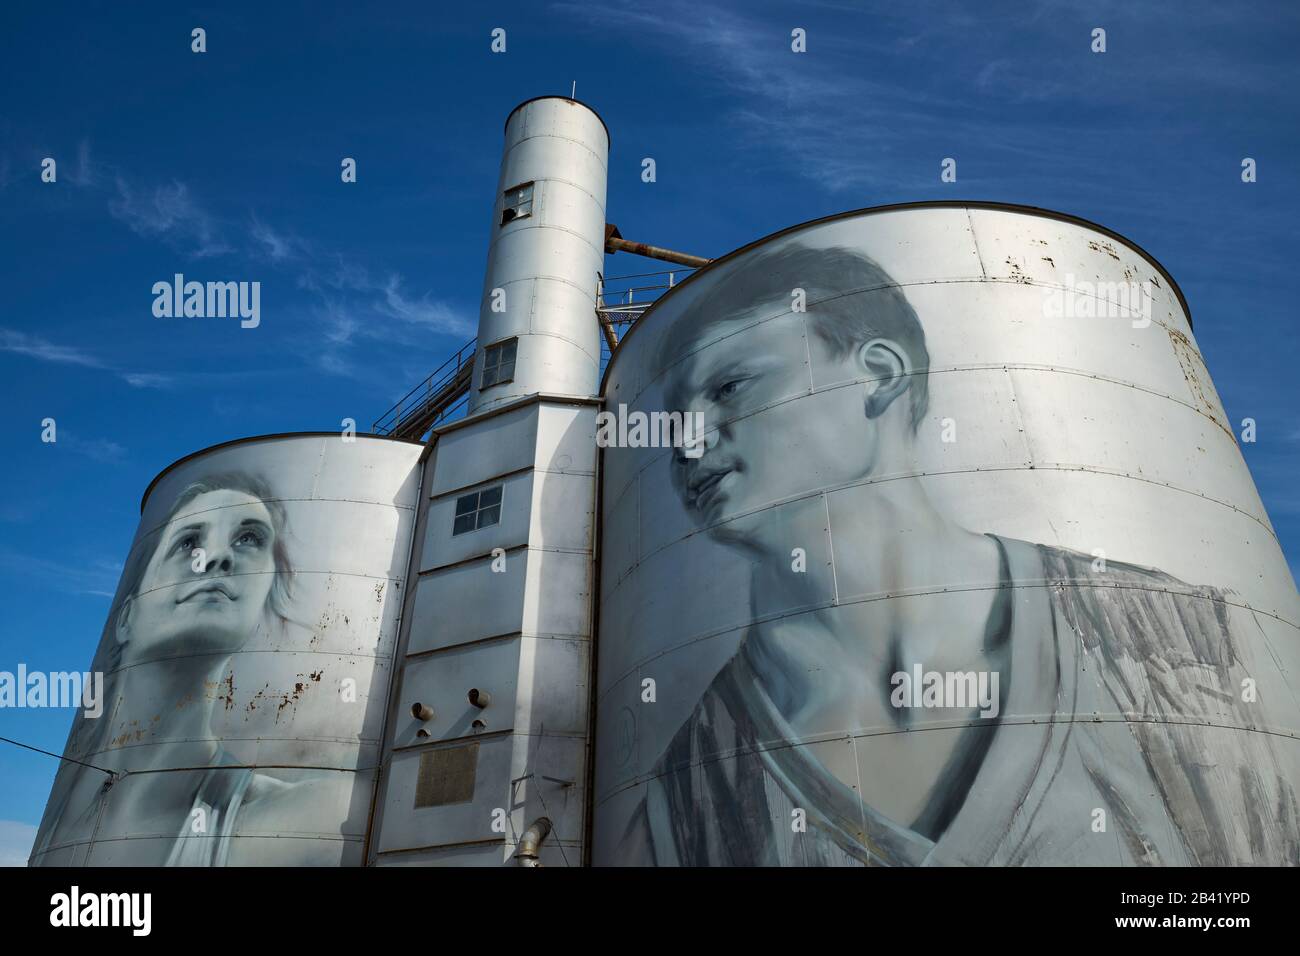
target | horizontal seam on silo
[
  {"x": 653, "y": 460},
  {"x": 924, "y": 592},
  {"x": 819, "y": 739},
  {"x": 550, "y": 278},
  {"x": 314, "y": 652},
  {"x": 980, "y": 469},
  {"x": 294, "y": 573},
  {"x": 534, "y": 333},
  {"x": 503, "y": 637},
  {"x": 1045, "y": 468},
  {"x": 433, "y": 743},
  {"x": 386, "y": 505},
  {"x": 953, "y": 280},
  {"x": 566, "y": 139},
  {"x": 525, "y": 226},
  {"x": 462, "y": 844},
  {"x": 161, "y": 835}
]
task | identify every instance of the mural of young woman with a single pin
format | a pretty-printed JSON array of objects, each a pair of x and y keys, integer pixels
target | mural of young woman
[{"x": 194, "y": 592}]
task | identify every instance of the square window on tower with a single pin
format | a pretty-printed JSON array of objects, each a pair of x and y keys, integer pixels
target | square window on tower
[
  {"x": 499, "y": 363},
  {"x": 477, "y": 510},
  {"x": 517, "y": 203}
]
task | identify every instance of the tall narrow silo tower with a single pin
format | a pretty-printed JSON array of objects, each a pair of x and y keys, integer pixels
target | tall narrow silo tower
[
  {"x": 486, "y": 750},
  {"x": 536, "y": 330}
]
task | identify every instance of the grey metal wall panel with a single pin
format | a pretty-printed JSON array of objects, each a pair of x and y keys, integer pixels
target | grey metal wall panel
[
  {"x": 442, "y": 548},
  {"x": 563, "y": 510},
  {"x": 407, "y": 827},
  {"x": 471, "y": 456},
  {"x": 488, "y": 603},
  {"x": 443, "y": 680}
]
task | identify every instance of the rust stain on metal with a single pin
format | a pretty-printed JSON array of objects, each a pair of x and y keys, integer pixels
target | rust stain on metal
[
  {"x": 1105, "y": 247},
  {"x": 252, "y": 704},
  {"x": 1198, "y": 379},
  {"x": 1016, "y": 272},
  {"x": 134, "y": 732},
  {"x": 299, "y": 688},
  {"x": 223, "y": 690}
]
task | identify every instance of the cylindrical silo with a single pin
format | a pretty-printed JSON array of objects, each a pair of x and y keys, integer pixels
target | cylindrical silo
[
  {"x": 245, "y": 662},
  {"x": 537, "y": 327},
  {"x": 971, "y": 569}
]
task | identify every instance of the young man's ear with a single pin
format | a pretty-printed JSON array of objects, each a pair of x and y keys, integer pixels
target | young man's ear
[{"x": 889, "y": 370}]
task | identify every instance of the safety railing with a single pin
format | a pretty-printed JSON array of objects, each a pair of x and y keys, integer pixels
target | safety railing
[{"x": 435, "y": 400}]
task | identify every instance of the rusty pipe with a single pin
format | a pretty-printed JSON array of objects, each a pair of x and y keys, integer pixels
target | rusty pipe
[
  {"x": 617, "y": 244},
  {"x": 530, "y": 843},
  {"x": 421, "y": 711}
]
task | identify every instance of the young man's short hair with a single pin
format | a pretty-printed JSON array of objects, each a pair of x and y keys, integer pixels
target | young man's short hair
[{"x": 850, "y": 300}]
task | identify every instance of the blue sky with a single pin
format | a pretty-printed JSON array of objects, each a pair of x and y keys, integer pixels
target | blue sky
[{"x": 225, "y": 166}]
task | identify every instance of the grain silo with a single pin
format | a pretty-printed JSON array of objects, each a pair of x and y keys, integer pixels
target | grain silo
[
  {"x": 247, "y": 657},
  {"x": 970, "y": 571},
  {"x": 961, "y": 564}
]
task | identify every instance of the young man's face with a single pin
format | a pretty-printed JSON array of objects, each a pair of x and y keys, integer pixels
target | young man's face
[{"x": 766, "y": 440}]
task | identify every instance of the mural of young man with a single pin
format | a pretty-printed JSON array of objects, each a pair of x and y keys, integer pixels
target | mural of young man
[{"x": 750, "y": 778}]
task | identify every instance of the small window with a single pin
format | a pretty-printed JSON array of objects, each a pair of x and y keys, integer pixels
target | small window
[
  {"x": 499, "y": 363},
  {"x": 477, "y": 510},
  {"x": 517, "y": 203}
]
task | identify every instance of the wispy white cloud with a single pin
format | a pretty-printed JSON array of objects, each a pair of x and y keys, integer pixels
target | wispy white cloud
[
  {"x": 351, "y": 301},
  {"x": 850, "y": 112},
  {"x": 170, "y": 213},
  {"x": 148, "y": 379},
  {"x": 33, "y": 346},
  {"x": 84, "y": 173},
  {"x": 355, "y": 305},
  {"x": 95, "y": 576},
  {"x": 276, "y": 246},
  {"x": 102, "y": 450},
  {"x": 424, "y": 311}
]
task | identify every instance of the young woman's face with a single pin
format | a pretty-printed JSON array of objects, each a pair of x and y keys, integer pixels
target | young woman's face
[{"x": 208, "y": 603}]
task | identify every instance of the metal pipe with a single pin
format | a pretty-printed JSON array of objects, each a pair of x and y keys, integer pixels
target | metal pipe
[
  {"x": 421, "y": 711},
  {"x": 607, "y": 328},
  {"x": 530, "y": 843},
  {"x": 615, "y": 244}
]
